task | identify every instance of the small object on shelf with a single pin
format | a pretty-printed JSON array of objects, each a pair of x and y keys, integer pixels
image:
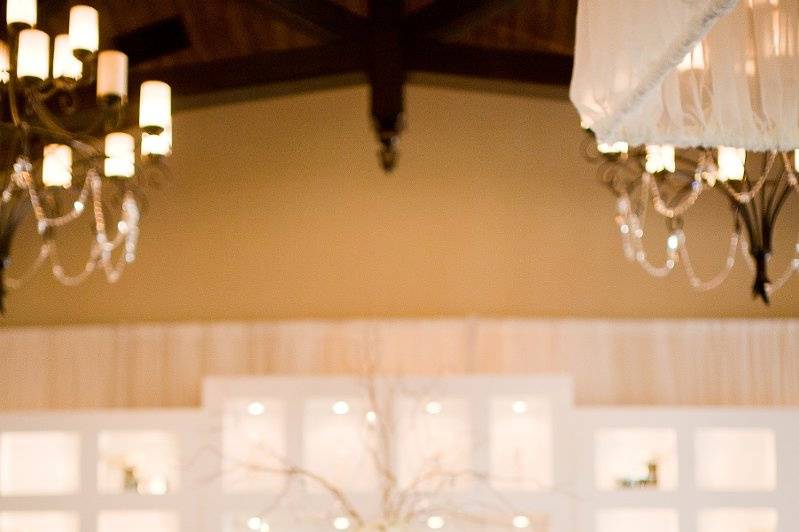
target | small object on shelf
[
  {"x": 130, "y": 479},
  {"x": 650, "y": 481}
]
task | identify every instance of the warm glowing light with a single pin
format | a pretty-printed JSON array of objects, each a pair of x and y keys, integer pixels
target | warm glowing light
[
  {"x": 673, "y": 242},
  {"x": 160, "y": 144},
  {"x": 659, "y": 158},
  {"x": 519, "y": 407},
  {"x": 255, "y": 523},
  {"x": 5, "y": 62},
  {"x": 158, "y": 485},
  {"x": 371, "y": 417},
  {"x": 341, "y": 408},
  {"x": 612, "y": 147},
  {"x": 84, "y": 35},
  {"x": 731, "y": 163},
  {"x": 521, "y": 521},
  {"x": 796, "y": 160},
  {"x": 21, "y": 12},
  {"x": 341, "y": 523},
  {"x": 256, "y": 408},
  {"x": 57, "y": 166},
  {"x": 65, "y": 64},
  {"x": 693, "y": 60},
  {"x": 33, "y": 57},
  {"x": 433, "y": 408},
  {"x": 435, "y": 522},
  {"x": 155, "y": 106},
  {"x": 112, "y": 74},
  {"x": 120, "y": 158}
]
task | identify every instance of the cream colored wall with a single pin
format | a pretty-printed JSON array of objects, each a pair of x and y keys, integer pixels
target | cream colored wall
[{"x": 278, "y": 210}]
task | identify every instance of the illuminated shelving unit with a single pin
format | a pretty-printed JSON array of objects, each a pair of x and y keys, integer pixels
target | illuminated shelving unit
[
  {"x": 554, "y": 467},
  {"x": 104, "y": 471},
  {"x": 504, "y": 428},
  {"x": 715, "y": 470}
]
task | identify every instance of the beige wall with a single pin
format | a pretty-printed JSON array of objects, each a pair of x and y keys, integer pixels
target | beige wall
[{"x": 278, "y": 210}]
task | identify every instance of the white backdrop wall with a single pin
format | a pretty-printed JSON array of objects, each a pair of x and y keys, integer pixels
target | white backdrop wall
[{"x": 612, "y": 362}]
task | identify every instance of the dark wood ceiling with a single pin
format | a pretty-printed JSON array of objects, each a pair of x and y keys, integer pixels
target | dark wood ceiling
[{"x": 248, "y": 31}]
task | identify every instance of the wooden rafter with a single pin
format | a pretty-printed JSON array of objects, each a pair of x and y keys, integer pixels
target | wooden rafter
[
  {"x": 448, "y": 17},
  {"x": 320, "y": 17}
]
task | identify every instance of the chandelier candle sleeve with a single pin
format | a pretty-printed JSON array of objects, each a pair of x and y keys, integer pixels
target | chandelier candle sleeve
[
  {"x": 65, "y": 64},
  {"x": 57, "y": 166},
  {"x": 33, "y": 56},
  {"x": 5, "y": 63},
  {"x": 119, "y": 153},
  {"x": 21, "y": 12},
  {"x": 731, "y": 163},
  {"x": 155, "y": 107},
  {"x": 158, "y": 145},
  {"x": 84, "y": 35},
  {"x": 112, "y": 75}
]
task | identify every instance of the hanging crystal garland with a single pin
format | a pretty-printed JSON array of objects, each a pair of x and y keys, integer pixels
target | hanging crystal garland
[
  {"x": 63, "y": 140},
  {"x": 667, "y": 181}
]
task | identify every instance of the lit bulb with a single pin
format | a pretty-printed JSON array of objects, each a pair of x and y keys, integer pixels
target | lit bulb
[
  {"x": 611, "y": 148},
  {"x": 521, "y": 521},
  {"x": 65, "y": 64},
  {"x": 433, "y": 408},
  {"x": 796, "y": 159},
  {"x": 155, "y": 107},
  {"x": 112, "y": 75},
  {"x": 84, "y": 35},
  {"x": 158, "y": 485},
  {"x": 435, "y": 522},
  {"x": 341, "y": 408},
  {"x": 57, "y": 166},
  {"x": 519, "y": 407},
  {"x": 659, "y": 158},
  {"x": 255, "y": 523},
  {"x": 120, "y": 158},
  {"x": 371, "y": 417},
  {"x": 256, "y": 408},
  {"x": 33, "y": 55},
  {"x": 22, "y": 12},
  {"x": 731, "y": 163},
  {"x": 341, "y": 523},
  {"x": 5, "y": 63}
]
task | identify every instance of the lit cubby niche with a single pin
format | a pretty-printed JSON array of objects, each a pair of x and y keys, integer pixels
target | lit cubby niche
[
  {"x": 39, "y": 463},
  {"x": 638, "y": 520},
  {"x": 635, "y": 459},
  {"x": 253, "y": 444},
  {"x": 736, "y": 459},
  {"x": 738, "y": 520},
  {"x": 143, "y": 462},
  {"x": 339, "y": 441},
  {"x": 521, "y": 443},
  {"x": 137, "y": 521},
  {"x": 434, "y": 435},
  {"x": 39, "y": 521}
]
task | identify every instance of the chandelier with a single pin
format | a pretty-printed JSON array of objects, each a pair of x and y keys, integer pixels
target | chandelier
[
  {"x": 697, "y": 98},
  {"x": 657, "y": 180},
  {"x": 65, "y": 143}
]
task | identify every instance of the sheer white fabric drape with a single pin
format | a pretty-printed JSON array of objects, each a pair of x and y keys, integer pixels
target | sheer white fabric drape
[{"x": 689, "y": 73}]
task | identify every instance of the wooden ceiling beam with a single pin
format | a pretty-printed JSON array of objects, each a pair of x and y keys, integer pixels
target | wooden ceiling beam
[
  {"x": 258, "y": 69},
  {"x": 488, "y": 63},
  {"x": 322, "y": 18},
  {"x": 444, "y": 18}
]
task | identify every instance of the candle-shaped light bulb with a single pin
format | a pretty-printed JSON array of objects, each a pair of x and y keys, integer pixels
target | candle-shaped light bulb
[
  {"x": 155, "y": 107},
  {"x": 84, "y": 35},
  {"x": 119, "y": 155},
  {"x": 731, "y": 163},
  {"x": 659, "y": 158},
  {"x": 112, "y": 76},
  {"x": 33, "y": 56},
  {"x": 57, "y": 166},
  {"x": 21, "y": 13},
  {"x": 796, "y": 159},
  {"x": 5, "y": 63},
  {"x": 65, "y": 64}
]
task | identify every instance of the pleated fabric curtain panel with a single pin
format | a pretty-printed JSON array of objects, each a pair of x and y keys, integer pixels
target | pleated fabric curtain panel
[{"x": 699, "y": 73}]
